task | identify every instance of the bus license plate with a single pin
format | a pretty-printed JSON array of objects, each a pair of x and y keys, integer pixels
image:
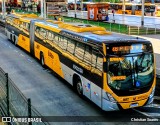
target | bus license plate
[{"x": 134, "y": 105}]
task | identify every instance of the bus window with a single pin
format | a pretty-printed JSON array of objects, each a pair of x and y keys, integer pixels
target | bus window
[
  {"x": 61, "y": 42},
  {"x": 71, "y": 46},
  {"x": 87, "y": 55},
  {"x": 20, "y": 25},
  {"x": 50, "y": 36},
  {"x": 42, "y": 33},
  {"x": 64, "y": 46},
  {"x": 37, "y": 29},
  {"x": 120, "y": 7},
  {"x": 15, "y": 22},
  {"x": 100, "y": 62},
  {"x": 128, "y": 7},
  {"x": 79, "y": 51},
  {"x": 56, "y": 38},
  {"x": 9, "y": 20},
  {"x": 94, "y": 58},
  {"x": 25, "y": 26}
]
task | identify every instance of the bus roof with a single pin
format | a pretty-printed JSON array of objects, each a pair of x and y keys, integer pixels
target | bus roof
[
  {"x": 85, "y": 32},
  {"x": 91, "y": 35}
]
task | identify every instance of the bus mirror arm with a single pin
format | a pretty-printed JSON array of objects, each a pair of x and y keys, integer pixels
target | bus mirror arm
[{"x": 105, "y": 66}]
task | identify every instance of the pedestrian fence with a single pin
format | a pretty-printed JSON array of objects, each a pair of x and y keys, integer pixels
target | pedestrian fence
[
  {"x": 13, "y": 103},
  {"x": 145, "y": 30}
]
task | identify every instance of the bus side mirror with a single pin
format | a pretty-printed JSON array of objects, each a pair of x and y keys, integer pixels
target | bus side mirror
[{"x": 105, "y": 66}]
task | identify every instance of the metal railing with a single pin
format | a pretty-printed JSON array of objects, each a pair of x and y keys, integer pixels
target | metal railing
[
  {"x": 14, "y": 103},
  {"x": 148, "y": 29}
]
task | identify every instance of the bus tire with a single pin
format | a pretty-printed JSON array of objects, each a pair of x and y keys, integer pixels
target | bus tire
[
  {"x": 42, "y": 59},
  {"x": 78, "y": 85},
  {"x": 14, "y": 40},
  {"x": 11, "y": 37},
  {"x": 79, "y": 88}
]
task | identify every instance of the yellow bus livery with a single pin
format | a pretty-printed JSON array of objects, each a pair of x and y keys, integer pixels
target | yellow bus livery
[{"x": 114, "y": 71}]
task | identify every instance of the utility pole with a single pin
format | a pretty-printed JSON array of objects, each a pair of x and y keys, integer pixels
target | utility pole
[
  {"x": 45, "y": 9},
  {"x": 142, "y": 17},
  {"x": 42, "y": 11},
  {"x": 123, "y": 7},
  {"x": 3, "y": 9}
]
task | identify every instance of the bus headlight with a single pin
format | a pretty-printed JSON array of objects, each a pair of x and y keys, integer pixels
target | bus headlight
[
  {"x": 152, "y": 93},
  {"x": 110, "y": 97}
]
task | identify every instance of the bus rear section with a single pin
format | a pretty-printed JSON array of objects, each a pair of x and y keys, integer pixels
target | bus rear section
[{"x": 130, "y": 75}]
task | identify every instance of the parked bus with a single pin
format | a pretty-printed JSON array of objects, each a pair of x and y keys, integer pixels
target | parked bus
[
  {"x": 149, "y": 9},
  {"x": 114, "y": 71},
  {"x": 136, "y": 9},
  {"x": 128, "y": 8},
  {"x": 157, "y": 10}
]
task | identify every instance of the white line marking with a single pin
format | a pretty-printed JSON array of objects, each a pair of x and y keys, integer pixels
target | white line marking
[
  {"x": 22, "y": 55},
  {"x": 142, "y": 113},
  {"x": 30, "y": 60}
]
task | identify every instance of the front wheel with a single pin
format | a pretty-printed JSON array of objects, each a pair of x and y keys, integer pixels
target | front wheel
[{"x": 79, "y": 88}]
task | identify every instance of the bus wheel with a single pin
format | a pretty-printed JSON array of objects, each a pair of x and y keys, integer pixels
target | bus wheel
[
  {"x": 14, "y": 40},
  {"x": 79, "y": 88},
  {"x": 42, "y": 59},
  {"x": 11, "y": 37}
]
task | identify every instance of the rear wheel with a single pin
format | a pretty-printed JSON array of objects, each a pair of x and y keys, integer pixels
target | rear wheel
[
  {"x": 42, "y": 59},
  {"x": 11, "y": 37},
  {"x": 14, "y": 40}
]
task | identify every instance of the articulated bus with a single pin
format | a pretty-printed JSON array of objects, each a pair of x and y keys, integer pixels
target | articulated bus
[{"x": 114, "y": 71}]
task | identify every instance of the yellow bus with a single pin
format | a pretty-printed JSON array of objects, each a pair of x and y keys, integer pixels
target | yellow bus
[
  {"x": 112, "y": 70},
  {"x": 149, "y": 9},
  {"x": 128, "y": 8},
  {"x": 136, "y": 9},
  {"x": 157, "y": 10}
]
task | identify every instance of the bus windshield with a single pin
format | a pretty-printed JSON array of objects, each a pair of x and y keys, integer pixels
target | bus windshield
[{"x": 130, "y": 67}]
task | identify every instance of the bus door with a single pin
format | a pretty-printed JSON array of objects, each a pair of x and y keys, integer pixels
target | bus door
[
  {"x": 96, "y": 71},
  {"x": 31, "y": 36}
]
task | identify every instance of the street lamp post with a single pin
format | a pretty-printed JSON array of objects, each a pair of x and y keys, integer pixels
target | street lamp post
[
  {"x": 42, "y": 11},
  {"x": 45, "y": 9},
  {"x": 142, "y": 17},
  {"x": 3, "y": 9},
  {"x": 124, "y": 7},
  {"x": 75, "y": 7},
  {"x": 81, "y": 5}
]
